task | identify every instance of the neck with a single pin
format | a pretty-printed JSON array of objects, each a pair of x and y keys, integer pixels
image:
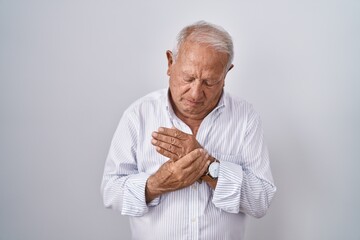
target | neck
[{"x": 192, "y": 122}]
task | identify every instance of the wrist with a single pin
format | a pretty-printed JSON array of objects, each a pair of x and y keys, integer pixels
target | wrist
[
  {"x": 150, "y": 189},
  {"x": 211, "y": 159},
  {"x": 213, "y": 168},
  {"x": 210, "y": 181}
]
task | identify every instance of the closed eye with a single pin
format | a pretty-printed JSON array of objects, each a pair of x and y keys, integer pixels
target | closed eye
[
  {"x": 210, "y": 83},
  {"x": 189, "y": 79}
]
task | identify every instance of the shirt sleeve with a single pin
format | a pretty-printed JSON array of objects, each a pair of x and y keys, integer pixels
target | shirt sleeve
[
  {"x": 123, "y": 186},
  {"x": 245, "y": 182}
]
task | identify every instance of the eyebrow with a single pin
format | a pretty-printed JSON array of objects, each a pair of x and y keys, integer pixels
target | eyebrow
[
  {"x": 191, "y": 75},
  {"x": 187, "y": 74}
]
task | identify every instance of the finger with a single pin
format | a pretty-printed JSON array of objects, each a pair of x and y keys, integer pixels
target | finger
[
  {"x": 169, "y": 147},
  {"x": 203, "y": 170},
  {"x": 166, "y": 153},
  {"x": 192, "y": 157},
  {"x": 201, "y": 162},
  {"x": 172, "y": 132},
  {"x": 195, "y": 173},
  {"x": 167, "y": 139}
]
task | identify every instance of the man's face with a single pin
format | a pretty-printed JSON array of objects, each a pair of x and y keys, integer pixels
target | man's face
[{"x": 196, "y": 79}]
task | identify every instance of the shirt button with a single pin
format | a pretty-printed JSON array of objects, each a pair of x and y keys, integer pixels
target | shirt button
[{"x": 194, "y": 187}]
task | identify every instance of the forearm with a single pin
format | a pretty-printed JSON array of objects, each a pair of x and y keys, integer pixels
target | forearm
[
  {"x": 151, "y": 189},
  {"x": 242, "y": 191},
  {"x": 112, "y": 190},
  {"x": 126, "y": 193},
  {"x": 256, "y": 195}
]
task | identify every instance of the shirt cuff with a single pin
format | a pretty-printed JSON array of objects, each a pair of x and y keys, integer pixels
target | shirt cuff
[
  {"x": 134, "y": 200},
  {"x": 228, "y": 188},
  {"x": 154, "y": 202}
]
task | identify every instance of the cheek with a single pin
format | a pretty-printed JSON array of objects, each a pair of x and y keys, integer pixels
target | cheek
[
  {"x": 178, "y": 88},
  {"x": 212, "y": 95}
]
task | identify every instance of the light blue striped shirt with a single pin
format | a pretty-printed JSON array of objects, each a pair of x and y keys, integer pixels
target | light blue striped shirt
[{"x": 231, "y": 133}]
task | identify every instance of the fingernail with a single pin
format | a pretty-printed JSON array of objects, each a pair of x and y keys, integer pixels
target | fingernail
[
  {"x": 153, "y": 141},
  {"x": 161, "y": 129},
  {"x": 154, "y": 134}
]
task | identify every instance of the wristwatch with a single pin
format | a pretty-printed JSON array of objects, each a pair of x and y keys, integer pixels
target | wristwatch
[{"x": 213, "y": 169}]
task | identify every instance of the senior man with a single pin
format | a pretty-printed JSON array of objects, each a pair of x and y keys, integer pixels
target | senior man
[{"x": 190, "y": 162}]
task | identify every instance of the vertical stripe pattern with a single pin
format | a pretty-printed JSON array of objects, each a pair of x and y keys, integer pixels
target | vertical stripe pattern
[{"x": 231, "y": 133}]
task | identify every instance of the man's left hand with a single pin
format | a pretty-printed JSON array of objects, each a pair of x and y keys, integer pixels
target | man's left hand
[{"x": 173, "y": 143}]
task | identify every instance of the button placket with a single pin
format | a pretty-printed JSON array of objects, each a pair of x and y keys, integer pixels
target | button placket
[{"x": 193, "y": 211}]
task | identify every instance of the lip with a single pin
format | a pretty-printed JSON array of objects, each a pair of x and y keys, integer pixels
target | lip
[{"x": 192, "y": 103}]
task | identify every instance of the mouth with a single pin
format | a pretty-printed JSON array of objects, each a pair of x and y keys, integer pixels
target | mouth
[{"x": 193, "y": 103}]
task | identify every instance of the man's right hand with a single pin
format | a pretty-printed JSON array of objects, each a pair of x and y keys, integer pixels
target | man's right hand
[{"x": 174, "y": 175}]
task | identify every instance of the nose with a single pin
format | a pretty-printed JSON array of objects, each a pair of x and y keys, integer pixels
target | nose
[{"x": 196, "y": 91}]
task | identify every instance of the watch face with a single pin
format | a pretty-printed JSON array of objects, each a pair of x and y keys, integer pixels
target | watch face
[{"x": 214, "y": 169}]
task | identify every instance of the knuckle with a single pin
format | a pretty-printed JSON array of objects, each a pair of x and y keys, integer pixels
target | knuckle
[
  {"x": 172, "y": 169},
  {"x": 198, "y": 151},
  {"x": 195, "y": 152}
]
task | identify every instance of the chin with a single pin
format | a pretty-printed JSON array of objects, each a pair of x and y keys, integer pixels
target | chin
[{"x": 192, "y": 111}]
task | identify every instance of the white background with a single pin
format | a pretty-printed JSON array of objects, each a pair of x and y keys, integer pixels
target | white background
[{"x": 68, "y": 69}]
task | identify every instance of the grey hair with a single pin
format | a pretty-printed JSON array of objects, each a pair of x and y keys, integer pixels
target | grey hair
[{"x": 211, "y": 34}]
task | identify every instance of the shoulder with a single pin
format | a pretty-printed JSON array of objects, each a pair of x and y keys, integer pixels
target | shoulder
[
  {"x": 142, "y": 109},
  {"x": 241, "y": 111},
  {"x": 238, "y": 105},
  {"x": 149, "y": 102}
]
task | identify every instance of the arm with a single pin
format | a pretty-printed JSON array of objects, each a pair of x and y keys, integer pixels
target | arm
[
  {"x": 123, "y": 187},
  {"x": 246, "y": 187},
  {"x": 173, "y": 143},
  {"x": 177, "y": 174},
  {"x": 245, "y": 182},
  {"x": 131, "y": 192}
]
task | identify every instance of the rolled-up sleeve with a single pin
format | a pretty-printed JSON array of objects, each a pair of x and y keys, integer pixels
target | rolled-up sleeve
[
  {"x": 123, "y": 186},
  {"x": 245, "y": 183}
]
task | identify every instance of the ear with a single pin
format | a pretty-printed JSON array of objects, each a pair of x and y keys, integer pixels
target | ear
[
  {"x": 170, "y": 60},
  {"x": 232, "y": 65}
]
